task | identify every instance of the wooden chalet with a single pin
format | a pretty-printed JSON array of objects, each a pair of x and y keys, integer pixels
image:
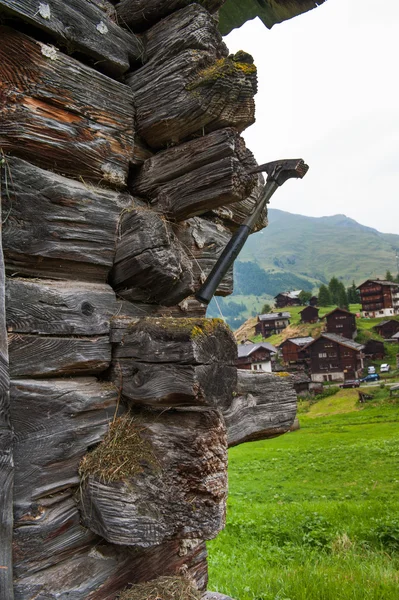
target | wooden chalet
[
  {"x": 387, "y": 328},
  {"x": 309, "y": 314},
  {"x": 341, "y": 322},
  {"x": 287, "y": 299},
  {"x": 374, "y": 349},
  {"x": 256, "y": 357},
  {"x": 111, "y": 113},
  {"x": 379, "y": 298},
  {"x": 334, "y": 358},
  {"x": 271, "y": 323},
  {"x": 313, "y": 301},
  {"x": 293, "y": 351}
]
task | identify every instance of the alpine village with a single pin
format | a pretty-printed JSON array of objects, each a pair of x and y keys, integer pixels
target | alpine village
[{"x": 124, "y": 177}]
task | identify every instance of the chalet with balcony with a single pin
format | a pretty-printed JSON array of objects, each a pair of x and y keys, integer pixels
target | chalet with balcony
[
  {"x": 287, "y": 299},
  {"x": 271, "y": 323},
  {"x": 379, "y": 298},
  {"x": 255, "y": 357},
  {"x": 334, "y": 358},
  {"x": 387, "y": 328},
  {"x": 342, "y": 322},
  {"x": 309, "y": 314},
  {"x": 374, "y": 350},
  {"x": 292, "y": 350}
]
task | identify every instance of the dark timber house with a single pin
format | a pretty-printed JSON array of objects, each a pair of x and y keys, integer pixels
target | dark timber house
[
  {"x": 293, "y": 351},
  {"x": 379, "y": 298},
  {"x": 287, "y": 299},
  {"x": 341, "y": 322},
  {"x": 334, "y": 358},
  {"x": 387, "y": 329},
  {"x": 309, "y": 314},
  {"x": 255, "y": 357},
  {"x": 105, "y": 239},
  {"x": 374, "y": 350},
  {"x": 271, "y": 323}
]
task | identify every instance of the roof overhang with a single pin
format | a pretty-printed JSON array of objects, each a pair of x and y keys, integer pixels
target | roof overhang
[{"x": 235, "y": 13}]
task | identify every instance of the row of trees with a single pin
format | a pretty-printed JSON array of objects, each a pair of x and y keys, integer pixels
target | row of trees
[{"x": 336, "y": 293}]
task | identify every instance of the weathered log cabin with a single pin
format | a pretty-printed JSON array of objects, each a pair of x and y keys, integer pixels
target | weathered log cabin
[
  {"x": 294, "y": 350},
  {"x": 271, "y": 323},
  {"x": 387, "y": 328},
  {"x": 374, "y": 350},
  {"x": 342, "y": 322},
  {"x": 122, "y": 175},
  {"x": 309, "y": 314},
  {"x": 334, "y": 358},
  {"x": 379, "y": 298}
]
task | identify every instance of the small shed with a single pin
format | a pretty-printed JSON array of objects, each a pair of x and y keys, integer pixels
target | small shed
[
  {"x": 309, "y": 314},
  {"x": 387, "y": 328},
  {"x": 374, "y": 349}
]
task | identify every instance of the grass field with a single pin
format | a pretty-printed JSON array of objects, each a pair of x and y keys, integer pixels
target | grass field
[{"x": 314, "y": 514}]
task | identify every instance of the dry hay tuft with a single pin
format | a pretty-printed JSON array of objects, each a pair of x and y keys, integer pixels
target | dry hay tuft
[
  {"x": 163, "y": 588},
  {"x": 123, "y": 453}
]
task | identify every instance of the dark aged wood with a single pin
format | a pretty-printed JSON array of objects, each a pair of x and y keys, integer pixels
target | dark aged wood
[
  {"x": 102, "y": 572},
  {"x": 56, "y": 227},
  {"x": 193, "y": 94},
  {"x": 61, "y": 114},
  {"x": 6, "y": 449},
  {"x": 150, "y": 264},
  {"x": 265, "y": 406},
  {"x": 182, "y": 495},
  {"x": 141, "y": 14},
  {"x": 190, "y": 307},
  {"x": 198, "y": 176},
  {"x": 174, "y": 362},
  {"x": 233, "y": 215},
  {"x": 80, "y": 26},
  {"x": 203, "y": 240},
  {"x": 49, "y": 356},
  {"x": 192, "y": 27},
  {"x": 48, "y": 307}
]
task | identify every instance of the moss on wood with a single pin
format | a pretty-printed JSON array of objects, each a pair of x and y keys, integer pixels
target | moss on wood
[{"x": 163, "y": 588}]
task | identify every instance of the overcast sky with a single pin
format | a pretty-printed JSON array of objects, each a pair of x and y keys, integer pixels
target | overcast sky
[{"x": 329, "y": 93}]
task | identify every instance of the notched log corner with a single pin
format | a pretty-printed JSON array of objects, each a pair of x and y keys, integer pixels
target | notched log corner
[
  {"x": 61, "y": 114},
  {"x": 174, "y": 362},
  {"x": 178, "y": 486},
  {"x": 193, "y": 94},
  {"x": 264, "y": 407}
]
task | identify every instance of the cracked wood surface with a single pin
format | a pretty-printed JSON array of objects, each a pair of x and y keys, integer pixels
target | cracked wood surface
[{"x": 61, "y": 114}]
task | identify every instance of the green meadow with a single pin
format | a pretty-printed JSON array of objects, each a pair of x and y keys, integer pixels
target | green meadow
[{"x": 314, "y": 514}]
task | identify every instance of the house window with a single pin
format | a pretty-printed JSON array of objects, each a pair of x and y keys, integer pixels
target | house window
[{"x": 322, "y": 354}]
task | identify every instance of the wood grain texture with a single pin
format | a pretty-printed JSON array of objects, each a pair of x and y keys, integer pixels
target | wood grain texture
[
  {"x": 48, "y": 307},
  {"x": 192, "y": 27},
  {"x": 6, "y": 446},
  {"x": 101, "y": 572},
  {"x": 181, "y": 497},
  {"x": 190, "y": 307},
  {"x": 198, "y": 176},
  {"x": 50, "y": 356},
  {"x": 204, "y": 240},
  {"x": 264, "y": 407},
  {"x": 61, "y": 114},
  {"x": 233, "y": 215},
  {"x": 150, "y": 264},
  {"x": 141, "y": 14},
  {"x": 57, "y": 227},
  {"x": 81, "y": 26},
  {"x": 193, "y": 94}
]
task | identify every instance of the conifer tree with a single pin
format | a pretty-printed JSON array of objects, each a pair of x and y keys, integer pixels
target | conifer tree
[
  {"x": 324, "y": 296},
  {"x": 334, "y": 288}
]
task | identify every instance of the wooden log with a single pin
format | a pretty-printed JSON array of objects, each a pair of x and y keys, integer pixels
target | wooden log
[
  {"x": 55, "y": 421},
  {"x": 59, "y": 308},
  {"x": 204, "y": 241},
  {"x": 61, "y": 114},
  {"x": 141, "y": 14},
  {"x": 56, "y": 227},
  {"x": 49, "y": 356},
  {"x": 192, "y": 94},
  {"x": 192, "y": 27},
  {"x": 198, "y": 176},
  {"x": 104, "y": 570},
  {"x": 81, "y": 26},
  {"x": 190, "y": 307},
  {"x": 6, "y": 447},
  {"x": 150, "y": 264},
  {"x": 174, "y": 362},
  {"x": 178, "y": 489},
  {"x": 233, "y": 215},
  {"x": 264, "y": 407}
]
